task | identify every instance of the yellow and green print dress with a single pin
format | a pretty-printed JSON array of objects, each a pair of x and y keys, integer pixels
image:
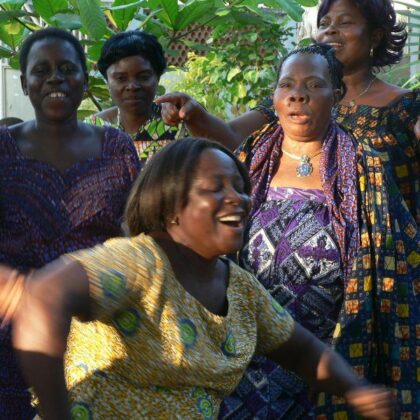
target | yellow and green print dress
[{"x": 154, "y": 351}]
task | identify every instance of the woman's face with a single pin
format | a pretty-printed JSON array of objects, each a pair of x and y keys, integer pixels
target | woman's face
[
  {"x": 133, "y": 83},
  {"x": 304, "y": 97},
  {"x": 54, "y": 79},
  {"x": 346, "y": 29},
  {"x": 213, "y": 221}
]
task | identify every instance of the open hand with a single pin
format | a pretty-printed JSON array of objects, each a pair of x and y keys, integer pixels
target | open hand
[
  {"x": 417, "y": 129},
  {"x": 372, "y": 402}
]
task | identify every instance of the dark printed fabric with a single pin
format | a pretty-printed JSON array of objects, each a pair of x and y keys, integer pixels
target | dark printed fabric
[
  {"x": 389, "y": 130},
  {"x": 379, "y": 323},
  {"x": 45, "y": 213},
  {"x": 292, "y": 249}
]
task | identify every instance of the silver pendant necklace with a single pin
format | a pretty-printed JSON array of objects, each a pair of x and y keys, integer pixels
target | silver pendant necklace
[{"x": 305, "y": 167}]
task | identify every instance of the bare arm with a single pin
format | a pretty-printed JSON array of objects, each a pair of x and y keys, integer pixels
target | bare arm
[
  {"x": 179, "y": 107},
  {"x": 324, "y": 370},
  {"x": 41, "y": 327}
]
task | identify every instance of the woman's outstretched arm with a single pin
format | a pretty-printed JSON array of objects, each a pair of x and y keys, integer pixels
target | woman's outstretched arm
[
  {"x": 324, "y": 370},
  {"x": 179, "y": 107},
  {"x": 41, "y": 325}
]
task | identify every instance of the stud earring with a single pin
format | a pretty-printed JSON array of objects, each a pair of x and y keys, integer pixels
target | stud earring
[{"x": 174, "y": 221}]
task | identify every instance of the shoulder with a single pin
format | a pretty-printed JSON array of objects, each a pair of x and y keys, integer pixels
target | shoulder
[{"x": 105, "y": 117}]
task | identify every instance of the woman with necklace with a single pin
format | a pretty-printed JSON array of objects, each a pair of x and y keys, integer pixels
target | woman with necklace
[
  {"x": 323, "y": 239},
  {"x": 132, "y": 63},
  {"x": 381, "y": 116}
]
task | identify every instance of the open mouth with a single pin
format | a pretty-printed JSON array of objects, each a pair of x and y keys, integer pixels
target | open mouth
[
  {"x": 299, "y": 117},
  {"x": 233, "y": 220}
]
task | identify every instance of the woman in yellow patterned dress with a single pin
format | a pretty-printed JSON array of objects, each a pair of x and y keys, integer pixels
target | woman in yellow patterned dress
[{"x": 179, "y": 323}]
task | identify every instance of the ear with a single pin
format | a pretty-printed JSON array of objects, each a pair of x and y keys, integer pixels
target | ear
[
  {"x": 24, "y": 84},
  {"x": 376, "y": 37}
]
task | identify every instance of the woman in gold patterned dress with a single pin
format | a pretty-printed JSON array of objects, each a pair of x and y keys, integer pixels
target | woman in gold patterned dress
[{"x": 179, "y": 322}]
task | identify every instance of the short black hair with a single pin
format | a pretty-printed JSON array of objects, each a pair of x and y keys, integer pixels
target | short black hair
[
  {"x": 334, "y": 65},
  {"x": 50, "y": 33},
  {"x": 129, "y": 43},
  {"x": 162, "y": 188},
  {"x": 380, "y": 14}
]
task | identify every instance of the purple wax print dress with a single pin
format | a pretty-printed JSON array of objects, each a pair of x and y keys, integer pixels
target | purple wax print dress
[
  {"x": 291, "y": 247},
  {"x": 45, "y": 213}
]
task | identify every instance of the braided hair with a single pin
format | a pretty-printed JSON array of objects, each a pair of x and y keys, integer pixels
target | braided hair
[{"x": 334, "y": 66}]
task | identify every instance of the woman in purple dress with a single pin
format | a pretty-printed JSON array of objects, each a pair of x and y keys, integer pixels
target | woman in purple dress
[{"x": 63, "y": 183}]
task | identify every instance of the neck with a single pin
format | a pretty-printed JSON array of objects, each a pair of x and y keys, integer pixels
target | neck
[
  {"x": 132, "y": 122},
  {"x": 56, "y": 132},
  {"x": 357, "y": 80},
  {"x": 299, "y": 147},
  {"x": 187, "y": 257}
]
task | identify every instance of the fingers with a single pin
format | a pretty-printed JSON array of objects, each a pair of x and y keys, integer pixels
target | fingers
[
  {"x": 176, "y": 98},
  {"x": 417, "y": 129},
  {"x": 373, "y": 403},
  {"x": 170, "y": 114}
]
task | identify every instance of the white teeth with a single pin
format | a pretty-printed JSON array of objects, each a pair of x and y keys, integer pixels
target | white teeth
[
  {"x": 231, "y": 218},
  {"x": 334, "y": 44},
  {"x": 57, "y": 95}
]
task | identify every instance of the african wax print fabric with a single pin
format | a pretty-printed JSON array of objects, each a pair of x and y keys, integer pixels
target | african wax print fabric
[
  {"x": 291, "y": 248},
  {"x": 155, "y": 351},
  {"x": 390, "y": 131},
  {"x": 152, "y": 136},
  {"x": 379, "y": 323},
  {"x": 45, "y": 213}
]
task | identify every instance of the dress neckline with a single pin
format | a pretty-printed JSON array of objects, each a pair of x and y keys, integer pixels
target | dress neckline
[
  {"x": 177, "y": 284},
  {"x": 53, "y": 168}
]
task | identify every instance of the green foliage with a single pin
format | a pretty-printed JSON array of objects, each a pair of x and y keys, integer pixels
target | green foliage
[
  {"x": 171, "y": 21},
  {"x": 237, "y": 75}
]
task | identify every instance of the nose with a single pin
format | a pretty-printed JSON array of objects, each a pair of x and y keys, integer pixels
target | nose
[
  {"x": 330, "y": 29},
  {"x": 133, "y": 84},
  {"x": 236, "y": 198},
  {"x": 298, "y": 95},
  {"x": 56, "y": 76}
]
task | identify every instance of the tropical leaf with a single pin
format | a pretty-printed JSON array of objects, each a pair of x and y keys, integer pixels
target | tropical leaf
[
  {"x": 68, "y": 21},
  {"x": 127, "y": 5},
  {"x": 171, "y": 9},
  {"x": 192, "y": 12},
  {"x": 11, "y": 34},
  {"x": 92, "y": 18},
  {"x": 125, "y": 15},
  {"x": 48, "y": 8},
  {"x": 293, "y": 9},
  {"x": 308, "y": 3},
  {"x": 6, "y": 15},
  {"x": 5, "y": 52}
]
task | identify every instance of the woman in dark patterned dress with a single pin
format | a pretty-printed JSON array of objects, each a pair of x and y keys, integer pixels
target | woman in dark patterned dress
[
  {"x": 63, "y": 183},
  {"x": 132, "y": 63},
  {"x": 319, "y": 256},
  {"x": 381, "y": 116}
]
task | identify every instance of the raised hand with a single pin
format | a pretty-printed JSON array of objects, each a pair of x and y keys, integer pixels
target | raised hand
[{"x": 177, "y": 107}]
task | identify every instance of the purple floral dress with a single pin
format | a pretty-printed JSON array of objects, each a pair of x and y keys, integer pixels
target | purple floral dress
[
  {"x": 45, "y": 213},
  {"x": 292, "y": 249}
]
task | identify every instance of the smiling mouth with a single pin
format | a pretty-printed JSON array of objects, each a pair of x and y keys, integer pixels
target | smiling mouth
[
  {"x": 233, "y": 220},
  {"x": 57, "y": 95},
  {"x": 335, "y": 45}
]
